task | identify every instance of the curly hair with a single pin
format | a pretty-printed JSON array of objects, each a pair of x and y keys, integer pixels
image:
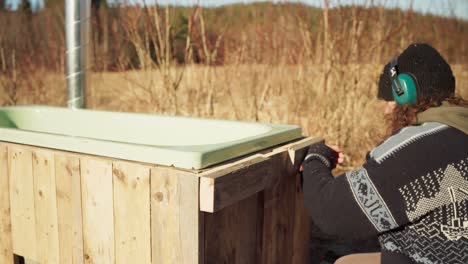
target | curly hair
[{"x": 406, "y": 115}]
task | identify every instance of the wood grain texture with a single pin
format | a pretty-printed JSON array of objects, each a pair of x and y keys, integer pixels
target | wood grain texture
[
  {"x": 70, "y": 226},
  {"x": 298, "y": 149},
  {"x": 270, "y": 226},
  {"x": 6, "y": 247},
  {"x": 220, "y": 190},
  {"x": 231, "y": 233},
  {"x": 104, "y": 203},
  {"x": 301, "y": 227},
  {"x": 282, "y": 226},
  {"x": 301, "y": 218},
  {"x": 229, "y": 183},
  {"x": 278, "y": 214},
  {"x": 98, "y": 210},
  {"x": 132, "y": 213},
  {"x": 285, "y": 222},
  {"x": 23, "y": 219},
  {"x": 45, "y": 202},
  {"x": 175, "y": 217}
]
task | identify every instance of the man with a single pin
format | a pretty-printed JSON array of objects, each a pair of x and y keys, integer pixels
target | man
[{"x": 412, "y": 191}]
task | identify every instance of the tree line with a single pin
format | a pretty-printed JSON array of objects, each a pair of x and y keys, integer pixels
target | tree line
[{"x": 136, "y": 37}]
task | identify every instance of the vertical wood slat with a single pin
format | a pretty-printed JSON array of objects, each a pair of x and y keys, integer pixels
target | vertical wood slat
[
  {"x": 175, "y": 218},
  {"x": 98, "y": 210},
  {"x": 279, "y": 210},
  {"x": 301, "y": 227},
  {"x": 45, "y": 206},
  {"x": 132, "y": 213},
  {"x": 23, "y": 222},
  {"x": 177, "y": 226},
  {"x": 70, "y": 227},
  {"x": 6, "y": 248},
  {"x": 231, "y": 233}
]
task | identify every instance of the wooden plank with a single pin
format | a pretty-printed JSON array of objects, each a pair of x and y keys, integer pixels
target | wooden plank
[
  {"x": 132, "y": 213},
  {"x": 98, "y": 210},
  {"x": 218, "y": 191},
  {"x": 177, "y": 226},
  {"x": 175, "y": 217},
  {"x": 23, "y": 220},
  {"x": 282, "y": 231},
  {"x": 301, "y": 227},
  {"x": 297, "y": 150},
  {"x": 6, "y": 247},
  {"x": 101, "y": 158},
  {"x": 70, "y": 226},
  {"x": 230, "y": 183},
  {"x": 227, "y": 234},
  {"x": 300, "y": 234},
  {"x": 45, "y": 202},
  {"x": 224, "y": 169},
  {"x": 279, "y": 210},
  {"x": 231, "y": 233}
]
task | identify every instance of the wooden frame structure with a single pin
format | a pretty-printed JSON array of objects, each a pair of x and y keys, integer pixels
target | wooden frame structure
[{"x": 62, "y": 207}]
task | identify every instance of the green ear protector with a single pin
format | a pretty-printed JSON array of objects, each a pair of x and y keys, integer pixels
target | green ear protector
[{"x": 403, "y": 85}]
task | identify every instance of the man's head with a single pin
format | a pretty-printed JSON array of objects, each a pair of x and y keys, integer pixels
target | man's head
[{"x": 432, "y": 75}]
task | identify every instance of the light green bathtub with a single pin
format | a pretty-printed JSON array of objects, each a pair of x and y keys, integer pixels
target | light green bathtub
[{"x": 183, "y": 142}]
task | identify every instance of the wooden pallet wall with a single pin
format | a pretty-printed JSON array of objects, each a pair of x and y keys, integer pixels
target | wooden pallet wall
[
  {"x": 62, "y": 207},
  {"x": 58, "y": 207},
  {"x": 268, "y": 227}
]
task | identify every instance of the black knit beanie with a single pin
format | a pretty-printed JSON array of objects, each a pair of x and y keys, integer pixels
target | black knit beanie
[{"x": 433, "y": 74}]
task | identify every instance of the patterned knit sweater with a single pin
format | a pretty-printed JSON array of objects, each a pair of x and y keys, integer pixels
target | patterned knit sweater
[{"x": 412, "y": 192}]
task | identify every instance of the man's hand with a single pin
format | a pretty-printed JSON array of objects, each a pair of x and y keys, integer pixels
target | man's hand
[
  {"x": 329, "y": 155},
  {"x": 337, "y": 149}
]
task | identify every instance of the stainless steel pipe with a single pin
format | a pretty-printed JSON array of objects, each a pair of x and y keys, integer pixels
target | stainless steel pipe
[{"x": 77, "y": 20}]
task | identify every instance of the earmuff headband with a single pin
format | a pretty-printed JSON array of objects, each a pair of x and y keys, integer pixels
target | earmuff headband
[{"x": 393, "y": 74}]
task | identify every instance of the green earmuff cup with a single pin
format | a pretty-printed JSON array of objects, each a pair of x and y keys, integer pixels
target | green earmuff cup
[{"x": 408, "y": 85}]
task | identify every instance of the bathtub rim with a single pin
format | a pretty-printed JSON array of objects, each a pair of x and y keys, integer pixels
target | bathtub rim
[{"x": 188, "y": 157}]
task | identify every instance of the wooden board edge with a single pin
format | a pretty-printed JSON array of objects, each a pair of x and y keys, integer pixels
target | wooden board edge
[
  {"x": 219, "y": 192},
  {"x": 207, "y": 193},
  {"x": 214, "y": 182},
  {"x": 300, "y": 145},
  {"x": 6, "y": 244}
]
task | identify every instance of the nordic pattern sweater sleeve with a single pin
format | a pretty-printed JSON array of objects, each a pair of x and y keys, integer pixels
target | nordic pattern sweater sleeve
[
  {"x": 349, "y": 205},
  {"x": 387, "y": 192}
]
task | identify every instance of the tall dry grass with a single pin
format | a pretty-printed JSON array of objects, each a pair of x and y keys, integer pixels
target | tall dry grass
[
  {"x": 347, "y": 114},
  {"x": 264, "y": 63}
]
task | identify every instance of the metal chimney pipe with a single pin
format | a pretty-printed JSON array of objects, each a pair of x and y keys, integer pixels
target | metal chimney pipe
[{"x": 77, "y": 17}]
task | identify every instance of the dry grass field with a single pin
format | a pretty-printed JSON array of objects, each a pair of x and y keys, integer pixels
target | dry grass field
[
  {"x": 266, "y": 62},
  {"x": 344, "y": 110},
  {"x": 317, "y": 68}
]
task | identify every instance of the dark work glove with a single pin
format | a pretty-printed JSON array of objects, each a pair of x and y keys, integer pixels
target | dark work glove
[{"x": 322, "y": 153}]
